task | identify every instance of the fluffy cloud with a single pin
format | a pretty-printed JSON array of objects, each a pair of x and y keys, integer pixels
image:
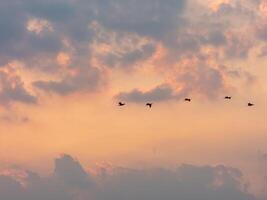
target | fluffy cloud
[{"x": 70, "y": 181}]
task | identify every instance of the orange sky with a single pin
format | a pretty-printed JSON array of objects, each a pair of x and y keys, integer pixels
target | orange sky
[{"x": 64, "y": 100}]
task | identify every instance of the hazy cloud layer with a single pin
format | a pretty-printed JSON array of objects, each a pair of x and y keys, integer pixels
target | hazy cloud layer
[{"x": 70, "y": 181}]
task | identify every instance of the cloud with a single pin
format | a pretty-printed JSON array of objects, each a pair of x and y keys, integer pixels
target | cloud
[
  {"x": 152, "y": 18},
  {"x": 124, "y": 34},
  {"x": 81, "y": 79},
  {"x": 198, "y": 76},
  {"x": 77, "y": 178},
  {"x": 194, "y": 76},
  {"x": 120, "y": 50},
  {"x": 11, "y": 24},
  {"x": 187, "y": 182},
  {"x": 17, "y": 38},
  {"x": 38, "y": 26},
  {"x": 158, "y": 94},
  {"x": 12, "y": 88},
  {"x": 70, "y": 181},
  {"x": 238, "y": 45},
  {"x": 70, "y": 20},
  {"x": 127, "y": 59},
  {"x": 10, "y": 189},
  {"x": 57, "y": 10}
]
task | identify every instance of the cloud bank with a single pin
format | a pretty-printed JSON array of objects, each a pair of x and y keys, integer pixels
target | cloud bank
[{"x": 70, "y": 181}]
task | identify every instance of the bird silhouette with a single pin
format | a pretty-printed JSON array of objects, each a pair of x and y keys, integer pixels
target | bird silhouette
[
  {"x": 250, "y": 104},
  {"x": 228, "y": 97},
  {"x": 121, "y": 104},
  {"x": 149, "y": 105},
  {"x": 187, "y": 99}
]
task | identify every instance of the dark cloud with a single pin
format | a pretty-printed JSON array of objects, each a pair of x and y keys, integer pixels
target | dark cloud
[
  {"x": 146, "y": 51},
  {"x": 161, "y": 20},
  {"x": 238, "y": 46},
  {"x": 158, "y": 94},
  {"x": 12, "y": 89},
  {"x": 127, "y": 59},
  {"x": 139, "y": 28},
  {"x": 11, "y": 22},
  {"x": 83, "y": 79},
  {"x": 153, "y": 18},
  {"x": 72, "y": 19},
  {"x": 12, "y": 28},
  {"x": 17, "y": 42},
  {"x": 70, "y": 182},
  {"x": 58, "y": 10},
  {"x": 78, "y": 176},
  {"x": 216, "y": 37},
  {"x": 237, "y": 10},
  {"x": 68, "y": 179},
  {"x": 10, "y": 189}
]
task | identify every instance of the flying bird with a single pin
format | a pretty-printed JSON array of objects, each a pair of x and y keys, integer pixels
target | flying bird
[
  {"x": 149, "y": 105},
  {"x": 121, "y": 104},
  {"x": 187, "y": 99},
  {"x": 250, "y": 104},
  {"x": 228, "y": 97}
]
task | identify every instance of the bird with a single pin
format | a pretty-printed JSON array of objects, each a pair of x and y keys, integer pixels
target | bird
[
  {"x": 149, "y": 105},
  {"x": 187, "y": 99},
  {"x": 121, "y": 104},
  {"x": 250, "y": 104},
  {"x": 228, "y": 97}
]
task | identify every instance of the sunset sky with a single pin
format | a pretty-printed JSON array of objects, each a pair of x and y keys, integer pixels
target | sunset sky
[{"x": 65, "y": 65}]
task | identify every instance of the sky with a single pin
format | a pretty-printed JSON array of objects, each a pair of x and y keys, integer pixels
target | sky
[{"x": 65, "y": 65}]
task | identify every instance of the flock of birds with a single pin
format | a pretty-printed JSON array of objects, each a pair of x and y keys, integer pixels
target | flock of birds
[{"x": 186, "y": 99}]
